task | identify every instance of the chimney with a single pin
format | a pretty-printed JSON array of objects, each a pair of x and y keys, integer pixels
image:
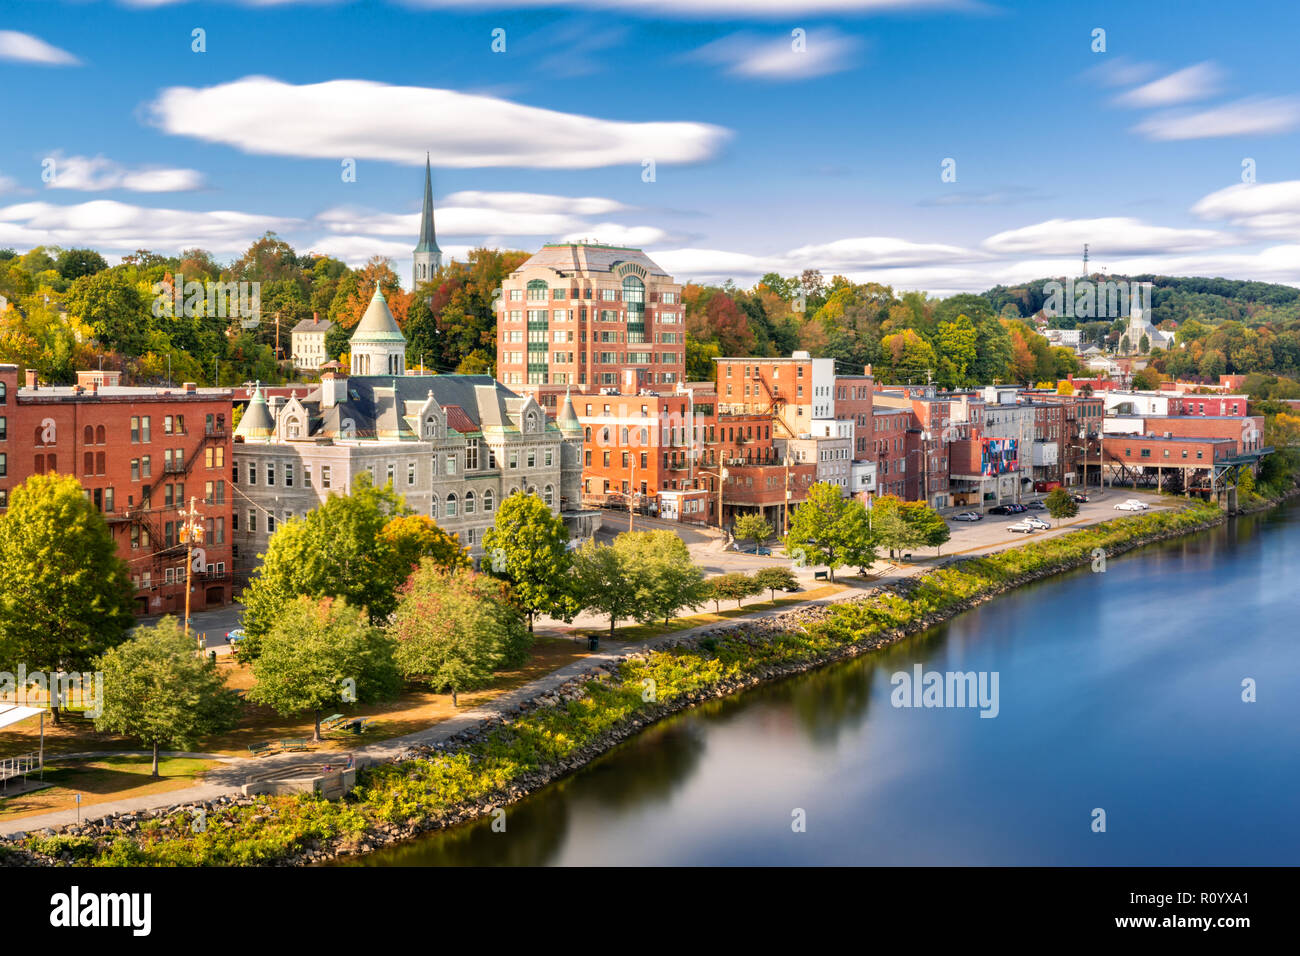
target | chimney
[
  {"x": 190, "y": 388},
  {"x": 31, "y": 378},
  {"x": 315, "y": 317}
]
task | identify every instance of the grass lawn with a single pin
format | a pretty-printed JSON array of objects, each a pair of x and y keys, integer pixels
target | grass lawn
[
  {"x": 98, "y": 781},
  {"x": 413, "y": 710},
  {"x": 641, "y": 632}
]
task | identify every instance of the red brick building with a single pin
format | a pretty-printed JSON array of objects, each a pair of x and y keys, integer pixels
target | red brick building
[{"x": 140, "y": 454}]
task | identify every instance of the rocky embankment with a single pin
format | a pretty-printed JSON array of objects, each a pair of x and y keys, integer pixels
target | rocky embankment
[{"x": 756, "y": 633}]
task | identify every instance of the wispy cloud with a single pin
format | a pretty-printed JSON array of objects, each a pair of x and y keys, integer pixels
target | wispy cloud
[
  {"x": 1269, "y": 210},
  {"x": 99, "y": 173},
  {"x": 1249, "y": 117},
  {"x": 1183, "y": 86},
  {"x": 25, "y": 48},
  {"x": 1117, "y": 235},
  {"x": 362, "y": 119},
  {"x": 798, "y": 55}
]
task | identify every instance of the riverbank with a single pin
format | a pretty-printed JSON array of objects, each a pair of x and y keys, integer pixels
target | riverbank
[{"x": 485, "y": 769}]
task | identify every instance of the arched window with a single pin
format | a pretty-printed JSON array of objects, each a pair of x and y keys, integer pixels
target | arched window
[
  {"x": 433, "y": 507},
  {"x": 549, "y": 496},
  {"x": 488, "y": 502},
  {"x": 89, "y": 436},
  {"x": 537, "y": 290},
  {"x": 588, "y": 435},
  {"x": 99, "y": 437},
  {"x": 431, "y": 427},
  {"x": 514, "y": 491},
  {"x": 604, "y": 435},
  {"x": 645, "y": 437},
  {"x": 469, "y": 502},
  {"x": 532, "y": 422},
  {"x": 625, "y": 435},
  {"x": 295, "y": 428},
  {"x": 4, "y": 393},
  {"x": 451, "y": 506}
]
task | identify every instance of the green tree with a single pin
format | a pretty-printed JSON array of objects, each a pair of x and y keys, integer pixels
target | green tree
[
  {"x": 776, "y": 579},
  {"x": 161, "y": 692},
  {"x": 410, "y": 538},
  {"x": 735, "y": 586},
  {"x": 603, "y": 582},
  {"x": 75, "y": 263},
  {"x": 666, "y": 577},
  {"x": 337, "y": 550},
  {"x": 455, "y": 628},
  {"x": 752, "y": 526},
  {"x": 829, "y": 529},
  {"x": 1061, "y": 504},
  {"x": 528, "y": 546},
  {"x": 319, "y": 653},
  {"x": 928, "y": 526},
  {"x": 65, "y": 595}
]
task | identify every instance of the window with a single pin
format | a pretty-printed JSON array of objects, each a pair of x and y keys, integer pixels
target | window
[
  {"x": 532, "y": 459},
  {"x": 270, "y": 524},
  {"x": 144, "y": 429},
  {"x": 252, "y": 520},
  {"x": 548, "y": 495},
  {"x": 135, "y": 429},
  {"x": 252, "y": 473},
  {"x": 471, "y": 455},
  {"x": 451, "y": 506},
  {"x": 451, "y": 464},
  {"x": 324, "y": 476},
  {"x": 488, "y": 501},
  {"x": 306, "y": 476},
  {"x": 549, "y": 454},
  {"x": 469, "y": 502},
  {"x": 433, "y": 507},
  {"x": 270, "y": 473},
  {"x": 410, "y": 473},
  {"x": 514, "y": 459}
]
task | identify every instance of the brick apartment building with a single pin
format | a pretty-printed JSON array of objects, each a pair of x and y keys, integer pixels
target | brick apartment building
[
  {"x": 583, "y": 316},
  {"x": 140, "y": 454}
]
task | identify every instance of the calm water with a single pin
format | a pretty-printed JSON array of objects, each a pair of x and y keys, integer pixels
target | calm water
[{"x": 1119, "y": 690}]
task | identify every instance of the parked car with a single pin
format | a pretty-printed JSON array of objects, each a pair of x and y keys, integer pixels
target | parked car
[
  {"x": 968, "y": 516},
  {"x": 1081, "y": 499},
  {"x": 235, "y": 636},
  {"x": 1130, "y": 506},
  {"x": 1136, "y": 501},
  {"x": 1036, "y": 506},
  {"x": 1022, "y": 527},
  {"x": 1017, "y": 509},
  {"x": 1037, "y": 522},
  {"x": 1001, "y": 510}
]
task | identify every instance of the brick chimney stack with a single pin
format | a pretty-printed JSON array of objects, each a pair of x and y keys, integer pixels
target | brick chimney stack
[{"x": 31, "y": 378}]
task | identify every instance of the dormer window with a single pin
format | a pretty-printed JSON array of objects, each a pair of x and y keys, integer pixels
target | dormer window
[
  {"x": 431, "y": 428},
  {"x": 295, "y": 428}
]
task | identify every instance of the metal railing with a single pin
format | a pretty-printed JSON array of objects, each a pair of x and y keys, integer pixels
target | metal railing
[{"x": 19, "y": 766}]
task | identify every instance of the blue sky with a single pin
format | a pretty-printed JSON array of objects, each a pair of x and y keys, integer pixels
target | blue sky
[{"x": 766, "y": 157}]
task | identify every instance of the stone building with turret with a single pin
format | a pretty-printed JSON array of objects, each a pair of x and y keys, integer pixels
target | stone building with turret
[{"x": 453, "y": 446}]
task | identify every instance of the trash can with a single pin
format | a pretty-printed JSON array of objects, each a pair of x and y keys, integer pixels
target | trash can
[
  {"x": 593, "y": 643},
  {"x": 212, "y": 656}
]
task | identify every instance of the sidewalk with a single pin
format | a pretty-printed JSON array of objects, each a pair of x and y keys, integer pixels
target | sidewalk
[{"x": 228, "y": 779}]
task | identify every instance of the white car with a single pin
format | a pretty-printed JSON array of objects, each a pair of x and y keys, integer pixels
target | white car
[
  {"x": 1130, "y": 506},
  {"x": 1136, "y": 501},
  {"x": 1023, "y": 527},
  {"x": 968, "y": 516},
  {"x": 1036, "y": 522}
]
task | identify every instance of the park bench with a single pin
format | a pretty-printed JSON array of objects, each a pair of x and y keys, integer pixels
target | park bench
[
  {"x": 819, "y": 575},
  {"x": 289, "y": 744},
  {"x": 263, "y": 748},
  {"x": 329, "y": 722}
]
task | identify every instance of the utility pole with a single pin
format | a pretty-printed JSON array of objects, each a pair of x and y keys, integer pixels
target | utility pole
[
  {"x": 191, "y": 532},
  {"x": 631, "y": 488},
  {"x": 785, "y": 515}
]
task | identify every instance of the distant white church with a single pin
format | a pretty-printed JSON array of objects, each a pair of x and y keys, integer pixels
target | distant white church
[{"x": 1138, "y": 326}]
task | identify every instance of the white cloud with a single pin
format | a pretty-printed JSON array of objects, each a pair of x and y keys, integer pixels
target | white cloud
[
  {"x": 1110, "y": 236},
  {"x": 99, "y": 173},
  {"x": 1192, "y": 83},
  {"x": 455, "y": 221},
  {"x": 361, "y": 119},
  {"x": 1263, "y": 209},
  {"x": 1248, "y": 117},
  {"x": 109, "y": 226},
  {"x": 535, "y": 203},
  {"x": 615, "y": 234},
  {"x": 822, "y": 52},
  {"x": 875, "y": 252},
  {"x": 1119, "y": 71},
  {"x": 25, "y": 48},
  {"x": 734, "y": 9}
]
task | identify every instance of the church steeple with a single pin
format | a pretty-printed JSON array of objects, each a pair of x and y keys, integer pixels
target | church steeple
[{"x": 428, "y": 257}]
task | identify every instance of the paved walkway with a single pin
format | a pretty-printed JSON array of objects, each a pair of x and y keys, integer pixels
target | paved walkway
[{"x": 235, "y": 772}]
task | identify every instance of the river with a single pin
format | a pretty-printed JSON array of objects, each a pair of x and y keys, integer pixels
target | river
[{"x": 1120, "y": 691}]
